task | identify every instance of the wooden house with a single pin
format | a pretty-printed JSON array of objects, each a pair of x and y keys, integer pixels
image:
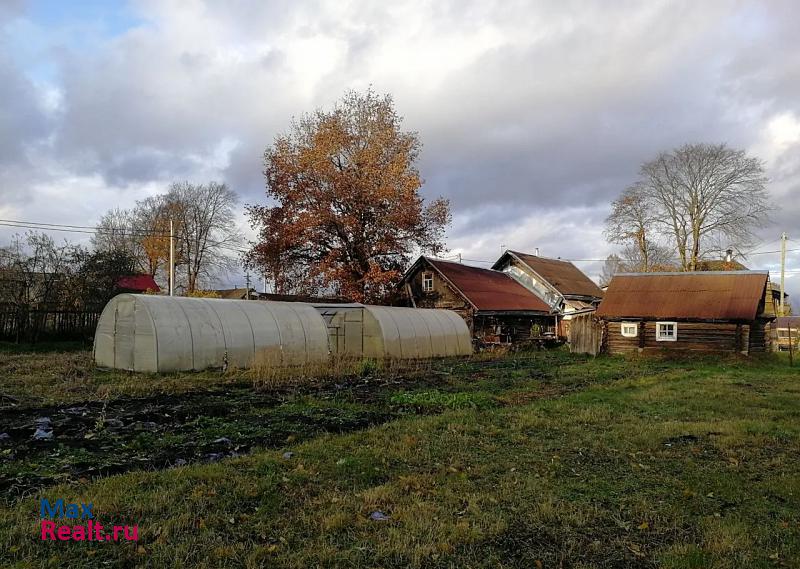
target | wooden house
[
  {"x": 716, "y": 311},
  {"x": 495, "y": 306},
  {"x": 564, "y": 287},
  {"x": 786, "y": 331}
]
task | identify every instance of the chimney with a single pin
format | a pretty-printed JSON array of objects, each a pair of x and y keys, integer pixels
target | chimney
[{"x": 729, "y": 255}]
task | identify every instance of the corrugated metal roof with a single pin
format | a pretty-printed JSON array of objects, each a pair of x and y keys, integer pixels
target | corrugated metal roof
[
  {"x": 785, "y": 321},
  {"x": 489, "y": 290},
  {"x": 565, "y": 277},
  {"x": 703, "y": 295}
]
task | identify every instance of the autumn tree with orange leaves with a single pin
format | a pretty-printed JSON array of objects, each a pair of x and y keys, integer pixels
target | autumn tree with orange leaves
[{"x": 347, "y": 213}]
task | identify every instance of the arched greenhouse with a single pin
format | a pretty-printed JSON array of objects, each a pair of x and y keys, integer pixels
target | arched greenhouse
[
  {"x": 162, "y": 333},
  {"x": 390, "y": 332}
]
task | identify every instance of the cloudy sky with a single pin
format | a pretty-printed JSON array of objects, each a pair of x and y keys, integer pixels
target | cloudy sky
[{"x": 533, "y": 115}]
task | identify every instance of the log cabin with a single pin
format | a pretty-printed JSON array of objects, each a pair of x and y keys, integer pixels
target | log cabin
[
  {"x": 496, "y": 308},
  {"x": 714, "y": 311},
  {"x": 564, "y": 287}
]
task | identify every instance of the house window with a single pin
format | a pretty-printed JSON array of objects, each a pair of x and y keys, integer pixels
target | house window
[
  {"x": 427, "y": 282},
  {"x": 629, "y": 329},
  {"x": 666, "y": 331}
]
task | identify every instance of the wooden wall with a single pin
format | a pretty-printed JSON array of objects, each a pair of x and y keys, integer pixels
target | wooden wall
[
  {"x": 692, "y": 337},
  {"x": 585, "y": 334}
]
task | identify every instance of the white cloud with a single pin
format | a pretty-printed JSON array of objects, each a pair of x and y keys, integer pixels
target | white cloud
[{"x": 533, "y": 115}]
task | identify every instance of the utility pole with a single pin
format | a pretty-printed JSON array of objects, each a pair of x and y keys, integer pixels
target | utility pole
[
  {"x": 171, "y": 259},
  {"x": 247, "y": 280},
  {"x": 783, "y": 269},
  {"x": 459, "y": 257}
]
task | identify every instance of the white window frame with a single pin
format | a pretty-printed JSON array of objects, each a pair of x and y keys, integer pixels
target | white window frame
[
  {"x": 666, "y": 338},
  {"x": 427, "y": 281},
  {"x": 623, "y": 325}
]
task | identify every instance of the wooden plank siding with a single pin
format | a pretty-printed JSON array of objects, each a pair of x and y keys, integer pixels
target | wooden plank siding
[{"x": 691, "y": 336}]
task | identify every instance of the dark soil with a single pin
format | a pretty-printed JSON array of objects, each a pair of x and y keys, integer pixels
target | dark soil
[{"x": 93, "y": 439}]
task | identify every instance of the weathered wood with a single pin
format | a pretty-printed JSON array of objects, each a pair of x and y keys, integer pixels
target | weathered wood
[
  {"x": 585, "y": 334},
  {"x": 691, "y": 336}
]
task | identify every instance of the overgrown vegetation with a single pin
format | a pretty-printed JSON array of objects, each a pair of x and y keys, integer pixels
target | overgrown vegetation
[{"x": 527, "y": 460}]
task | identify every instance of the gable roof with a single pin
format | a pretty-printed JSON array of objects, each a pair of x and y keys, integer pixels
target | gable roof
[
  {"x": 565, "y": 277},
  {"x": 138, "y": 283},
  {"x": 488, "y": 290},
  {"x": 705, "y": 295}
]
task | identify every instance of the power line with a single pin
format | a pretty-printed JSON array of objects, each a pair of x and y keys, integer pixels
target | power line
[
  {"x": 90, "y": 230},
  {"x": 122, "y": 231}
]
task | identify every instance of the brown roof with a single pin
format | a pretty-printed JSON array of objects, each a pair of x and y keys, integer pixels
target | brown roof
[
  {"x": 487, "y": 289},
  {"x": 565, "y": 277},
  {"x": 786, "y": 321},
  {"x": 720, "y": 265},
  {"x": 703, "y": 295},
  {"x": 233, "y": 293}
]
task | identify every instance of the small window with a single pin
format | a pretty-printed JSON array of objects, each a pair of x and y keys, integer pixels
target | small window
[
  {"x": 629, "y": 329},
  {"x": 427, "y": 282},
  {"x": 666, "y": 331}
]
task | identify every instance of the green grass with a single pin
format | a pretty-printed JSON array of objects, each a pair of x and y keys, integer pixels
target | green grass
[{"x": 551, "y": 459}]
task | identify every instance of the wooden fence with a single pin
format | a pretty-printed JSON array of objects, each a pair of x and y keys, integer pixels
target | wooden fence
[
  {"x": 585, "y": 334},
  {"x": 22, "y": 325}
]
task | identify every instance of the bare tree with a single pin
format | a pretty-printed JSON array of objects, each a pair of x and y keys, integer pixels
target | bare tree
[
  {"x": 141, "y": 232},
  {"x": 633, "y": 223},
  {"x": 34, "y": 275},
  {"x": 706, "y": 198},
  {"x": 203, "y": 218},
  {"x": 612, "y": 266},
  {"x": 208, "y": 237}
]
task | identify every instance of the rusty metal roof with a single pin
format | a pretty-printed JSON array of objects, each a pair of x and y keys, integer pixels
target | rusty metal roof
[
  {"x": 489, "y": 290},
  {"x": 786, "y": 321},
  {"x": 565, "y": 277},
  {"x": 707, "y": 295}
]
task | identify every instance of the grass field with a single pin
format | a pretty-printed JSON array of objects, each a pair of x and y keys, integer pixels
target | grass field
[{"x": 528, "y": 460}]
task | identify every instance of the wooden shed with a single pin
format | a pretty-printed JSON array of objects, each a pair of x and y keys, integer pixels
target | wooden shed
[{"x": 713, "y": 311}]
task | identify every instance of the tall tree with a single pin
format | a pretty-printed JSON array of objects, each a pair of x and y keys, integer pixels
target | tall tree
[
  {"x": 347, "y": 213},
  {"x": 633, "y": 223},
  {"x": 207, "y": 232},
  {"x": 706, "y": 197},
  {"x": 204, "y": 224}
]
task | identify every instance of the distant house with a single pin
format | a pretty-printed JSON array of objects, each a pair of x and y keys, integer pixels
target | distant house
[
  {"x": 237, "y": 293},
  {"x": 783, "y": 328},
  {"x": 137, "y": 284},
  {"x": 495, "y": 306},
  {"x": 714, "y": 311},
  {"x": 564, "y": 287}
]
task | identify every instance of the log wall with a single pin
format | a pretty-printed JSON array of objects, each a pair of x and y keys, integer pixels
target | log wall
[{"x": 691, "y": 337}]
